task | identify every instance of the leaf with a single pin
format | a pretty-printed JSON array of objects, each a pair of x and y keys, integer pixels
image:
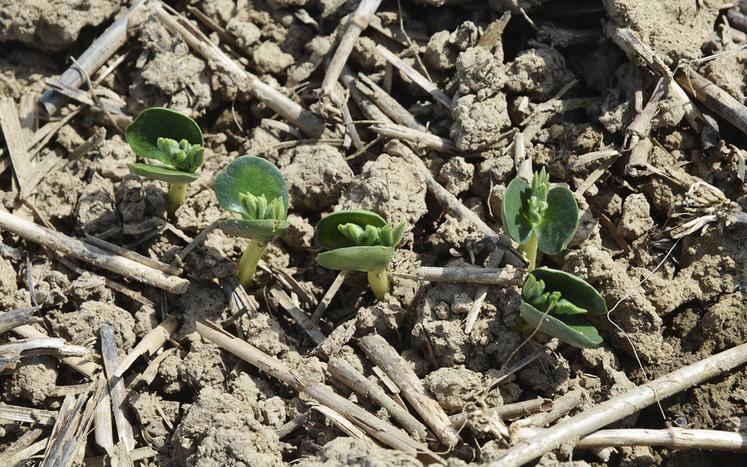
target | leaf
[
  {"x": 356, "y": 258},
  {"x": 572, "y": 288},
  {"x": 159, "y": 172},
  {"x": 249, "y": 174},
  {"x": 257, "y": 229},
  {"x": 516, "y": 225},
  {"x": 572, "y": 330},
  {"x": 158, "y": 122},
  {"x": 559, "y": 222},
  {"x": 329, "y": 236}
]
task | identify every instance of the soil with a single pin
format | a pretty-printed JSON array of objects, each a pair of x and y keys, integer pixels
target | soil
[{"x": 196, "y": 405}]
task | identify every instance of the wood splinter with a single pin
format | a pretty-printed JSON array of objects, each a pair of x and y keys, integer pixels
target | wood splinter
[
  {"x": 385, "y": 357},
  {"x": 61, "y": 243}
]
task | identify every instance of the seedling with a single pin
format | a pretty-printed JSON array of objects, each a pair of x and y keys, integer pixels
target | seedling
[
  {"x": 359, "y": 241},
  {"x": 554, "y": 302},
  {"x": 255, "y": 189},
  {"x": 173, "y": 139},
  {"x": 538, "y": 217}
]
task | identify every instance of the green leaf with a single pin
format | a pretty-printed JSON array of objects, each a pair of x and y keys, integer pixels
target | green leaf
[
  {"x": 559, "y": 222},
  {"x": 157, "y": 122},
  {"x": 572, "y": 330},
  {"x": 515, "y": 200},
  {"x": 329, "y": 236},
  {"x": 256, "y": 229},
  {"x": 160, "y": 172},
  {"x": 572, "y": 288},
  {"x": 249, "y": 174},
  {"x": 356, "y": 258}
]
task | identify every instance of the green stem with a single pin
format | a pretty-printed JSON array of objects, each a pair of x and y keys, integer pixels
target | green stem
[
  {"x": 530, "y": 249},
  {"x": 250, "y": 258},
  {"x": 378, "y": 280},
  {"x": 177, "y": 195}
]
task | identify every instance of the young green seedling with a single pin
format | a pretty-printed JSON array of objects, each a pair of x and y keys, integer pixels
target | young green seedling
[
  {"x": 359, "y": 241},
  {"x": 555, "y": 302},
  {"x": 255, "y": 189},
  {"x": 173, "y": 139},
  {"x": 538, "y": 217}
]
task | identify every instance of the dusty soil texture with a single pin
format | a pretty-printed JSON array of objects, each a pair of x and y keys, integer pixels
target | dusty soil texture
[{"x": 556, "y": 71}]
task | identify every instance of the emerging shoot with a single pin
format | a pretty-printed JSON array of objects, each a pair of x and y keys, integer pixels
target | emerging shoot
[
  {"x": 555, "y": 302},
  {"x": 539, "y": 217},
  {"x": 255, "y": 189},
  {"x": 359, "y": 241},
  {"x": 173, "y": 139}
]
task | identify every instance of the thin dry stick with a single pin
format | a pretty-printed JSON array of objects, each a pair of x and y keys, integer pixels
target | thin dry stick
[
  {"x": 274, "y": 99},
  {"x": 352, "y": 131},
  {"x": 23, "y": 442},
  {"x": 25, "y": 454},
  {"x": 623, "y": 405},
  {"x": 516, "y": 409},
  {"x": 69, "y": 408},
  {"x": 133, "y": 255},
  {"x": 456, "y": 208},
  {"x": 375, "y": 427},
  {"x": 11, "y": 353},
  {"x": 358, "y": 92},
  {"x": 522, "y": 163},
  {"x": 52, "y": 163},
  {"x": 149, "y": 344},
  {"x": 389, "y": 105},
  {"x": 135, "y": 455},
  {"x": 560, "y": 407},
  {"x": 112, "y": 106},
  {"x": 385, "y": 357},
  {"x": 102, "y": 423},
  {"x": 494, "y": 259},
  {"x": 343, "y": 424},
  {"x": 86, "y": 368},
  {"x": 422, "y": 139},
  {"x": 355, "y": 380},
  {"x": 21, "y": 414},
  {"x": 92, "y": 59},
  {"x": 357, "y": 23},
  {"x": 629, "y": 41},
  {"x": 415, "y": 76},
  {"x": 61, "y": 243},
  {"x": 116, "y": 384},
  {"x": 719, "y": 101},
  {"x": 311, "y": 329},
  {"x": 14, "y": 140},
  {"x": 18, "y": 317},
  {"x": 672, "y": 438},
  {"x": 640, "y": 127},
  {"x": 328, "y": 296},
  {"x": 466, "y": 275}
]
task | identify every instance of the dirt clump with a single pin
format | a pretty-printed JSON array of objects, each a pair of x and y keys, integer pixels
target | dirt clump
[
  {"x": 168, "y": 74},
  {"x": 52, "y": 25},
  {"x": 389, "y": 186},
  {"x": 316, "y": 176},
  {"x": 82, "y": 326},
  {"x": 31, "y": 381},
  {"x": 676, "y": 29},
  {"x": 220, "y": 429}
]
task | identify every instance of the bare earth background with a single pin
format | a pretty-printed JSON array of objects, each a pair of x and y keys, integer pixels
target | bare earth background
[{"x": 204, "y": 407}]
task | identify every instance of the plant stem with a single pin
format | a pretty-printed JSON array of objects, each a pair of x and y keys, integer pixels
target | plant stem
[
  {"x": 250, "y": 258},
  {"x": 530, "y": 249},
  {"x": 177, "y": 195},
  {"x": 378, "y": 280}
]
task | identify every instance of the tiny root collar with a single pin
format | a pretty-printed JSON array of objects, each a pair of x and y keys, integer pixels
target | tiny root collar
[
  {"x": 177, "y": 195},
  {"x": 378, "y": 280},
  {"x": 248, "y": 263}
]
